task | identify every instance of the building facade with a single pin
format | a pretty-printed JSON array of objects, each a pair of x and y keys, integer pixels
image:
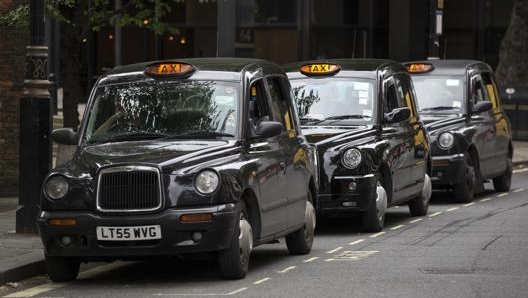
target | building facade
[{"x": 278, "y": 30}]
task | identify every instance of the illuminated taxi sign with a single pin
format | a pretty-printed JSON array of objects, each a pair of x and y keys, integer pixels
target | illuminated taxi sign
[
  {"x": 169, "y": 69},
  {"x": 419, "y": 67},
  {"x": 319, "y": 69}
]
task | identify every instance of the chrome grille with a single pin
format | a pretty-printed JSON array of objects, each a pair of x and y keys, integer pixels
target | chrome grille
[{"x": 129, "y": 189}]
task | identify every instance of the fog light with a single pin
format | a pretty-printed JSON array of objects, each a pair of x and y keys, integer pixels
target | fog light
[
  {"x": 66, "y": 240},
  {"x": 439, "y": 174},
  {"x": 352, "y": 185},
  {"x": 196, "y": 236}
]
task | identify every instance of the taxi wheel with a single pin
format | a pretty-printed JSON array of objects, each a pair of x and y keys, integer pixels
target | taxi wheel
[
  {"x": 503, "y": 182},
  {"x": 465, "y": 190},
  {"x": 300, "y": 242},
  {"x": 234, "y": 261},
  {"x": 62, "y": 269},
  {"x": 374, "y": 218},
  {"x": 420, "y": 205}
]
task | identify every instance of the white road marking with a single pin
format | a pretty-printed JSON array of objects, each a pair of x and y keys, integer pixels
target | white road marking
[
  {"x": 520, "y": 170},
  {"x": 36, "y": 290},
  {"x": 397, "y": 227},
  {"x": 203, "y": 294},
  {"x": 416, "y": 220},
  {"x": 310, "y": 260},
  {"x": 485, "y": 200},
  {"x": 377, "y": 235},
  {"x": 351, "y": 255},
  {"x": 435, "y": 214},
  {"x": 451, "y": 209},
  {"x": 334, "y": 250},
  {"x": 519, "y": 190},
  {"x": 503, "y": 195},
  {"x": 258, "y": 282},
  {"x": 356, "y": 242},
  {"x": 469, "y": 204},
  {"x": 287, "y": 269}
]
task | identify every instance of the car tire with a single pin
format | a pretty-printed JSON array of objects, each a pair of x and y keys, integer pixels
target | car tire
[
  {"x": 300, "y": 242},
  {"x": 234, "y": 261},
  {"x": 62, "y": 269},
  {"x": 420, "y": 205},
  {"x": 465, "y": 190},
  {"x": 503, "y": 182},
  {"x": 373, "y": 219}
]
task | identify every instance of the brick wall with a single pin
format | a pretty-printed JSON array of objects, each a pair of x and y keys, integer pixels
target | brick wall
[{"x": 12, "y": 74}]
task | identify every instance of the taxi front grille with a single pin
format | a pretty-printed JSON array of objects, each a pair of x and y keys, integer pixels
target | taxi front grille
[{"x": 129, "y": 189}]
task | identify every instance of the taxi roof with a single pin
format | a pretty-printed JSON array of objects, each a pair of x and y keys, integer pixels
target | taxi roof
[
  {"x": 206, "y": 68},
  {"x": 451, "y": 66},
  {"x": 349, "y": 65}
]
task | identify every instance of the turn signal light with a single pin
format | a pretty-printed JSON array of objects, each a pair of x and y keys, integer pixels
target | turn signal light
[
  {"x": 62, "y": 222},
  {"x": 197, "y": 217}
]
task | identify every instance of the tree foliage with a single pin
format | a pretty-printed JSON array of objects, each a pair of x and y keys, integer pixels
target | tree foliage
[
  {"x": 513, "y": 55},
  {"x": 100, "y": 13}
]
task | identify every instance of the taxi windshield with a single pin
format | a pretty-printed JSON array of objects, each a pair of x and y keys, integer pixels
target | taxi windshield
[
  {"x": 440, "y": 94},
  {"x": 162, "y": 109},
  {"x": 326, "y": 101}
]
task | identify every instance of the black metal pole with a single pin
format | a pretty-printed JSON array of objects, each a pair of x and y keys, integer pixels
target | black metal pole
[
  {"x": 434, "y": 41},
  {"x": 35, "y": 124}
]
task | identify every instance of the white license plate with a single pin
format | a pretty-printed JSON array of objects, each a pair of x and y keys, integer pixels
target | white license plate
[{"x": 129, "y": 233}]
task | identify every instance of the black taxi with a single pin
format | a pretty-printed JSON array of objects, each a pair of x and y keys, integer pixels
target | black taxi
[
  {"x": 470, "y": 133},
  {"x": 371, "y": 147},
  {"x": 181, "y": 157}
]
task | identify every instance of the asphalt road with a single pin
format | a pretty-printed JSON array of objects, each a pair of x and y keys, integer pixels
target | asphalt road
[{"x": 472, "y": 250}]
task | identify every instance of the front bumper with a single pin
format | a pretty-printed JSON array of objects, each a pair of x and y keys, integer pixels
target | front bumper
[
  {"x": 447, "y": 170},
  {"x": 343, "y": 199},
  {"x": 176, "y": 236}
]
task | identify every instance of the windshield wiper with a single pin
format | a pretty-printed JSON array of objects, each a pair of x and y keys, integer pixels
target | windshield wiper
[
  {"x": 198, "y": 134},
  {"x": 440, "y": 108},
  {"x": 340, "y": 117},
  {"x": 308, "y": 120},
  {"x": 131, "y": 136}
]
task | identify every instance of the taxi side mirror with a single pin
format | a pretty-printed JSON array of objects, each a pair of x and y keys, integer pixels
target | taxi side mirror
[
  {"x": 65, "y": 136},
  {"x": 397, "y": 115},
  {"x": 481, "y": 106},
  {"x": 268, "y": 129}
]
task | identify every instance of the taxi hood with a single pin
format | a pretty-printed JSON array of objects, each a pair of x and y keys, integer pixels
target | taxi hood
[
  {"x": 325, "y": 136},
  {"x": 168, "y": 155}
]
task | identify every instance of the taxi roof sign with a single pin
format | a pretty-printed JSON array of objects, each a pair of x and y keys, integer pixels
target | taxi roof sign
[
  {"x": 166, "y": 69},
  {"x": 319, "y": 69},
  {"x": 419, "y": 67}
]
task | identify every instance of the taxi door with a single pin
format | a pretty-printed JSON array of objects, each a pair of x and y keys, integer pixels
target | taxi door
[
  {"x": 399, "y": 137},
  {"x": 484, "y": 126},
  {"x": 293, "y": 148},
  {"x": 269, "y": 156}
]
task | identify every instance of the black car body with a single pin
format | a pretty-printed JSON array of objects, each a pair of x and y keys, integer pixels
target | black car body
[
  {"x": 470, "y": 133},
  {"x": 177, "y": 157},
  {"x": 372, "y": 148}
]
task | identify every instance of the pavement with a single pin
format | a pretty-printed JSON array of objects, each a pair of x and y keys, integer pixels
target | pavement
[{"x": 22, "y": 256}]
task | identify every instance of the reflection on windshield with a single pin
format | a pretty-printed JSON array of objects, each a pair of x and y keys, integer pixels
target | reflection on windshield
[
  {"x": 144, "y": 110},
  {"x": 347, "y": 101},
  {"x": 439, "y": 93}
]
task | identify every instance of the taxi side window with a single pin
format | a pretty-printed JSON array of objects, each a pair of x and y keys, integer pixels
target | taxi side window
[
  {"x": 478, "y": 93},
  {"x": 258, "y": 105},
  {"x": 390, "y": 101},
  {"x": 491, "y": 89},
  {"x": 406, "y": 95},
  {"x": 279, "y": 103}
]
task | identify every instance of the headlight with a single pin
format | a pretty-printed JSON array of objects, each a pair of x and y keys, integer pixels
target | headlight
[
  {"x": 446, "y": 140},
  {"x": 56, "y": 187},
  {"x": 352, "y": 158},
  {"x": 206, "y": 182}
]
